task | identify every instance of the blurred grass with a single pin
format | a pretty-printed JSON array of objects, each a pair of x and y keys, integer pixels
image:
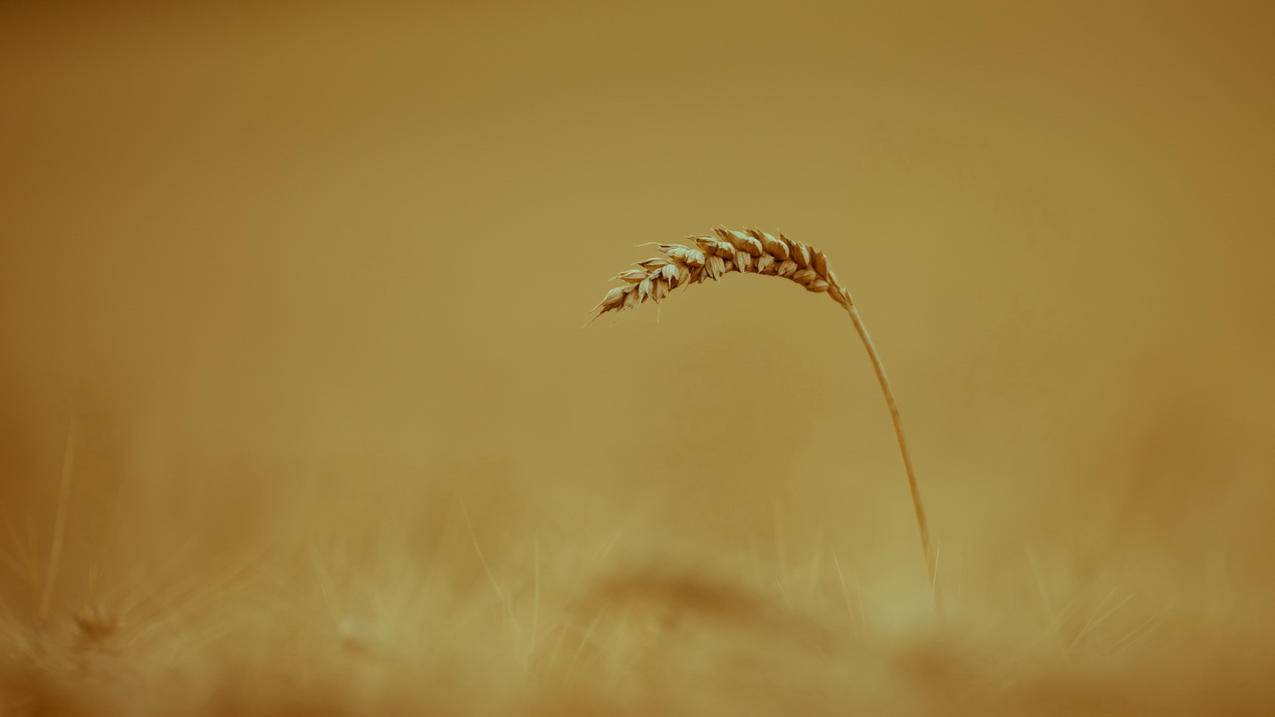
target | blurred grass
[{"x": 308, "y": 280}]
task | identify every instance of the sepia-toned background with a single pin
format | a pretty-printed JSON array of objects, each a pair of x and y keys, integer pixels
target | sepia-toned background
[{"x": 276, "y": 276}]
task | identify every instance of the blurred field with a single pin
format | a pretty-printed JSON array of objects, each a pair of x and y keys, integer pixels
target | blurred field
[{"x": 297, "y": 415}]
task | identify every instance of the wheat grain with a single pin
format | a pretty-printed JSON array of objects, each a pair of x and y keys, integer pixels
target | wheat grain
[
  {"x": 751, "y": 251},
  {"x": 712, "y": 256}
]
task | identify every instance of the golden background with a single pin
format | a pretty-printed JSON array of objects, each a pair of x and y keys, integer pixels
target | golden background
[{"x": 291, "y": 304}]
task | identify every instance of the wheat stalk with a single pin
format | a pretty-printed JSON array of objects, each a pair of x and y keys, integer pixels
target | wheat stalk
[{"x": 757, "y": 252}]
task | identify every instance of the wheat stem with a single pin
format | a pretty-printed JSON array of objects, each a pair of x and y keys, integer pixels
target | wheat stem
[
  {"x": 59, "y": 525},
  {"x": 914, "y": 490}
]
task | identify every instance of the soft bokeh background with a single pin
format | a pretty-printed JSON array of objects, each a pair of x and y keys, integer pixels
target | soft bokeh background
[{"x": 291, "y": 272}]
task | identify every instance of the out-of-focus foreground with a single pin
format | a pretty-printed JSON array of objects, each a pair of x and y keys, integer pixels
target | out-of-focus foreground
[{"x": 297, "y": 414}]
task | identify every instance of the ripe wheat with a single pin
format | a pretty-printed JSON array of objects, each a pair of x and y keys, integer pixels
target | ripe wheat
[{"x": 756, "y": 252}]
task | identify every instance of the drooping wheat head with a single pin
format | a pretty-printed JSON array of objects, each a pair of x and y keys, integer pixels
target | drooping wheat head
[
  {"x": 712, "y": 256},
  {"x": 751, "y": 251}
]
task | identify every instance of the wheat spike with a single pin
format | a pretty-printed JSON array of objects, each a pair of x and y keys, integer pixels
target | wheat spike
[
  {"x": 710, "y": 256},
  {"x": 751, "y": 251}
]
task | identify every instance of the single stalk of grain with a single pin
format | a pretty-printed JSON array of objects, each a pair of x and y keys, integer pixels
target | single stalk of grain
[{"x": 757, "y": 252}]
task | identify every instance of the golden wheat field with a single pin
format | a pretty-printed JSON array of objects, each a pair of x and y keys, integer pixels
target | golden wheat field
[{"x": 303, "y": 410}]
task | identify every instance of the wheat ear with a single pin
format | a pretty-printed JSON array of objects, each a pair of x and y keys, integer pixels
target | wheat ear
[{"x": 710, "y": 256}]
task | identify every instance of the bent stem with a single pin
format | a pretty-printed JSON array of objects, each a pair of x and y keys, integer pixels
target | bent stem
[{"x": 922, "y": 525}]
